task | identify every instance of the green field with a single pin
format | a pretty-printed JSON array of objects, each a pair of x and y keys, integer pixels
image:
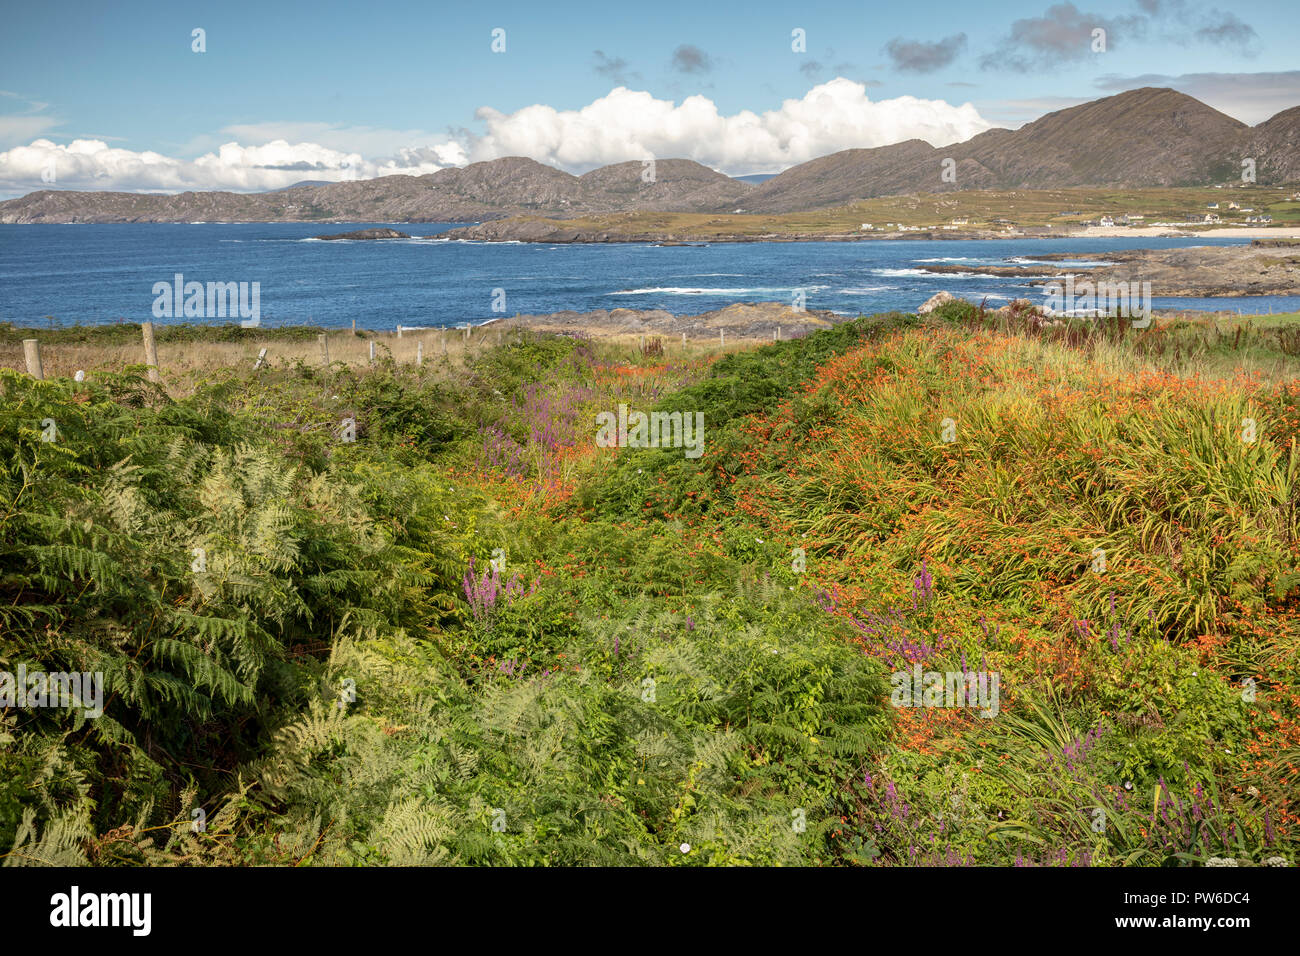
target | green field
[{"x": 984, "y": 209}]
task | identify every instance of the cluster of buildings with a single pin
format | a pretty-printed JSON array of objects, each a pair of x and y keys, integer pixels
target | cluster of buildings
[
  {"x": 869, "y": 227},
  {"x": 960, "y": 222},
  {"x": 1208, "y": 218},
  {"x": 1107, "y": 221},
  {"x": 1128, "y": 219},
  {"x": 1261, "y": 220}
]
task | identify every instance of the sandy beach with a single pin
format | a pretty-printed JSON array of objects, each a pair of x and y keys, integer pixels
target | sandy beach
[{"x": 1227, "y": 232}]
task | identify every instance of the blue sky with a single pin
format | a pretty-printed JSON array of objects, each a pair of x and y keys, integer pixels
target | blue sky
[{"x": 363, "y": 89}]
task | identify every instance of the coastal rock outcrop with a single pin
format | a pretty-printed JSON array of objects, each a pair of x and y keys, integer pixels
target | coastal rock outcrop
[
  {"x": 740, "y": 320},
  {"x": 367, "y": 234},
  {"x": 936, "y": 300}
]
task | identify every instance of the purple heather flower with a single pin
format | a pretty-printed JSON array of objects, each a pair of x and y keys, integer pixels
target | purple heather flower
[{"x": 922, "y": 586}]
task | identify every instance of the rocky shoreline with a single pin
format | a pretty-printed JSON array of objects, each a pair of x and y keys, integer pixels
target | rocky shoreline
[
  {"x": 558, "y": 233},
  {"x": 764, "y": 321},
  {"x": 563, "y": 232},
  {"x": 1265, "y": 267},
  {"x": 738, "y": 322}
]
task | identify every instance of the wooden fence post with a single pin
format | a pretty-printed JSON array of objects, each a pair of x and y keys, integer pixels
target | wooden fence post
[
  {"x": 32, "y": 353},
  {"x": 372, "y": 350},
  {"x": 323, "y": 340},
  {"x": 150, "y": 352},
  {"x": 419, "y": 353}
]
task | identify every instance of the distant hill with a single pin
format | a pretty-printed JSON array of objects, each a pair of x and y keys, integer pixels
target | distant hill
[
  {"x": 305, "y": 182},
  {"x": 489, "y": 190},
  {"x": 1277, "y": 144},
  {"x": 1141, "y": 138}
]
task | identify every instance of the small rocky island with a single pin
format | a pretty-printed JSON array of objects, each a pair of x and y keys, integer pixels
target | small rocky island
[{"x": 367, "y": 234}]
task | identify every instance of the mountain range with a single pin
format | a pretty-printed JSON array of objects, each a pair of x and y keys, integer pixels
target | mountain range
[{"x": 1140, "y": 138}]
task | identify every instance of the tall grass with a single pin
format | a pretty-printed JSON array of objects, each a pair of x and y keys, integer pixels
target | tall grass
[{"x": 1064, "y": 449}]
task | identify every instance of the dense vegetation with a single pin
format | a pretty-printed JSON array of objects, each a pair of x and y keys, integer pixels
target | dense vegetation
[{"x": 472, "y": 636}]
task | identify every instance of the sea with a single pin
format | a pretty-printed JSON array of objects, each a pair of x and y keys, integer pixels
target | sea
[{"x": 58, "y": 275}]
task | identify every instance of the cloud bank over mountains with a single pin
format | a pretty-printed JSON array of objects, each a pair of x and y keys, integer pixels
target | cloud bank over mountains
[
  {"x": 627, "y": 124},
  {"x": 622, "y": 125}
]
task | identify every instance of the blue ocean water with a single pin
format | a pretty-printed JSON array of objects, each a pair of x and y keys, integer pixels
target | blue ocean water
[{"x": 95, "y": 273}]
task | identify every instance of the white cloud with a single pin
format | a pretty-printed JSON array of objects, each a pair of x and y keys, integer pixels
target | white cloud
[
  {"x": 626, "y": 124},
  {"x": 93, "y": 164},
  {"x": 623, "y": 125}
]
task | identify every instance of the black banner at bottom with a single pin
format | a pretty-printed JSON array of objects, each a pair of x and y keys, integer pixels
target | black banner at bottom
[{"x": 342, "y": 906}]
